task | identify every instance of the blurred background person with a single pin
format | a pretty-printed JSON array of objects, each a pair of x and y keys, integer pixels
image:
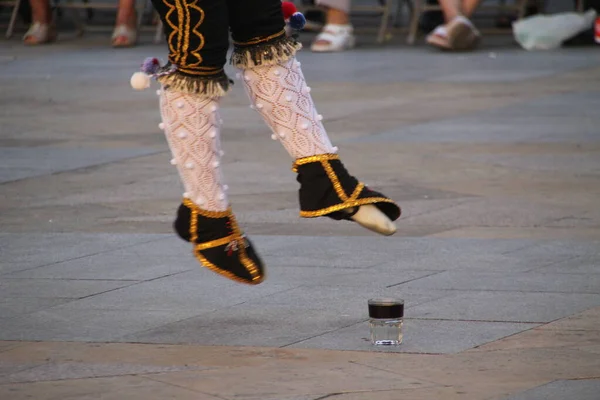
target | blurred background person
[
  {"x": 338, "y": 33},
  {"x": 43, "y": 29},
  {"x": 458, "y": 32}
]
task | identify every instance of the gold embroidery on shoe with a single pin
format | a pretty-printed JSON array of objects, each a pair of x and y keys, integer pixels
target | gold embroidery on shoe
[
  {"x": 312, "y": 159},
  {"x": 236, "y": 237},
  {"x": 246, "y": 261},
  {"x": 335, "y": 182},
  {"x": 357, "y": 191},
  {"x": 193, "y": 220},
  {"x": 346, "y": 202},
  {"x": 205, "y": 213},
  {"x": 343, "y": 206},
  {"x": 214, "y": 268},
  {"x": 217, "y": 242}
]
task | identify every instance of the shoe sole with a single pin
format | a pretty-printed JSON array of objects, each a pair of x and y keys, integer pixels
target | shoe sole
[
  {"x": 377, "y": 229},
  {"x": 324, "y": 48},
  {"x": 462, "y": 37},
  {"x": 437, "y": 42},
  {"x": 386, "y": 229}
]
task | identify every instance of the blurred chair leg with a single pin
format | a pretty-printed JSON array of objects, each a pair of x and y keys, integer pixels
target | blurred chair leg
[
  {"x": 140, "y": 10},
  {"x": 13, "y": 18},
  {"x": 158, "y": 33},
  {"x": 414, "y": 21},
  {"x": 522, "y": 8},
  {"x": 385, "y": 19}
]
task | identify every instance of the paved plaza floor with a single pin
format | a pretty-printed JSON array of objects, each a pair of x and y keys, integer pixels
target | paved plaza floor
[{"x": 494, "y": 157}]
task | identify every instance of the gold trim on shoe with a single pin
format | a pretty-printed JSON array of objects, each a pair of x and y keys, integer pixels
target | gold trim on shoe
[
  {"x": 237, "y": 237},
  {"x": 346, "y": 202},
  {"x": 343, "y": 206},
  {"x": 206, "y": 213},
  {"x": 312, "y": 159},
  {"x": 255, "y": 279}
]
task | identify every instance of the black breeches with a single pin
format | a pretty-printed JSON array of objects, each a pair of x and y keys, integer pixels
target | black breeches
[{"x": 197, "y": 31}]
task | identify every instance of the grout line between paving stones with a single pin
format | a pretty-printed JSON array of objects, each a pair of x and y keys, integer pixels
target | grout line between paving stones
[
  {"x": 415, "y": 279},
  {"x": 119, "y": 339},
  {"x": 144, "y": 376},
  {"x": 139, "y": 375},
  {"x": 70, "y": 279},
  {"x": 509, "y": 291},
  {"x": 403, "y": 374},
  {"x": 471, "y": 199},
  {"x": 587, "y": 378},
  {"x": 18, "y": 371},
  {"x": 106, "y": 291},
  {"x": 323, "y": 333},
  {"x": 86, "y": 168},
  {"x": 17, "y": 343},
  {"x": 330, "y": 395},
  {"x": 477, "y": 320},
  {"x": 551, "y": 264},
  {"x": 504, "y": 337},
  {"x": 524, "y": 247},
  {"x": 87, "y": 255}
]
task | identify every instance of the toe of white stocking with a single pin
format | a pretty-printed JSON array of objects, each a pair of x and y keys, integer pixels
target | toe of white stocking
[{"x": 371, "y": 218}]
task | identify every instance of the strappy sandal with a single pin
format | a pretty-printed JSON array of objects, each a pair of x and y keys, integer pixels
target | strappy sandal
[
  {"x": 439, "y": 38},
  {"x": 39, "y": 33},
  {"x": 462, "y": 34},
  {"x": 124, "y": 36},
  {"x": 334, "y": 38}
]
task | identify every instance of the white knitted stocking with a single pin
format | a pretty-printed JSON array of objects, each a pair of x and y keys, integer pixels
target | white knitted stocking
[
  {"x": 192, "y": 127},
  {"x": 279, "y": 93}
]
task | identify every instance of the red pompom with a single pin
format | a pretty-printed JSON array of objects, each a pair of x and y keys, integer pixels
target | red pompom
[{"x": 288, "y": 9}]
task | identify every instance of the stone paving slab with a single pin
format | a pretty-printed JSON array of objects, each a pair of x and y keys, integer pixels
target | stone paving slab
[
  {"x": 100, "y": 325},
  {"x": 16, "y": 306},
  {"x": 517, "y": 282},
  {"x": 49, "y": 288},
  {"x": 48, "y": 160},
  {"x": 506, "y": 306},
  {"x": 567, "y": 120},
  {"x": 422, "y": 336},
  {"x": 75, "y": 370},
  {"x": 188, "y": 304},
  {"x": 584, "y": 389},
  {"x": 109, "y": 266},
  {"x": 18, "y": 249},
  {"x": 48, "y": 370},
  {"x": 133, "y": 388},
  {"x": 492, "y": 156}
]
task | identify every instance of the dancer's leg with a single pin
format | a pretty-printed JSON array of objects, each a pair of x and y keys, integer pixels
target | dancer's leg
[
  {"x": 277, "y": 89},
  {"x": 192, "y": 128},
  {"x": 189, "y": 101}
]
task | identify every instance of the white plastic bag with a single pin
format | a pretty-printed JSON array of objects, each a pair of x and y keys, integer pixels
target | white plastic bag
[{"x": 546, "y": 32}]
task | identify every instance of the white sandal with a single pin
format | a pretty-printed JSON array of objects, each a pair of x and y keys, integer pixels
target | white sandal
[
  {"x": 39, "y": 33},
  {"x": 336, "y": 38},
  {"x": 123, "y": 36},
  {"x": 462, "y": 34},
  {"x": 439, "y": 38}
]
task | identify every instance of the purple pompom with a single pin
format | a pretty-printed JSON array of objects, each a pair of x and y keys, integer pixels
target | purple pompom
[
  {"x": 297, "y": 21},
  {"x": 151, "y": 65}
]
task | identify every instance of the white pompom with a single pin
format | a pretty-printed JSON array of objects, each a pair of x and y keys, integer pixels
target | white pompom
[{"x": 140, "y": 81}]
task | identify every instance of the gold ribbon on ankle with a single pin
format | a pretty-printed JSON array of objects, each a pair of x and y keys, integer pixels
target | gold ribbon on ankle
[
  {"x": 346, "y": 201},
  {"x": 237, "y": 238}
]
